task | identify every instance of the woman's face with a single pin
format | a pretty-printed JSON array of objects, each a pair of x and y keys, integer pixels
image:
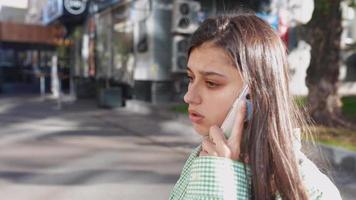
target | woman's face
[{"x": 214, "y": 85}]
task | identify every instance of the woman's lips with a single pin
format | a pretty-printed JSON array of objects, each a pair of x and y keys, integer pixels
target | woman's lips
[{"x": 195, "y": 117}]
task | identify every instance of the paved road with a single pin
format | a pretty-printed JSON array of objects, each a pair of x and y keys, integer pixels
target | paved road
[{"x": 82, "y": 152}]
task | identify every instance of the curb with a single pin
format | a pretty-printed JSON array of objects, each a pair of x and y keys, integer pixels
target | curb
[
  {"x": 340, "y": 158},
  {"x": 161, "y": 110}
]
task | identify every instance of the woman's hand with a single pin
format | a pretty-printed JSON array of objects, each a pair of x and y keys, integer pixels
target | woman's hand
[{"x": 215, "y": 144}]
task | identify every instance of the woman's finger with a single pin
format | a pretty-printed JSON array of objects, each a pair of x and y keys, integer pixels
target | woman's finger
[
  {"x": 209, "y": 147},
  {"x": 220, "y": 142},
  {"x": 203, "y": 153},
  {"x": 234, "y": 141},
  {"x": 217, "y": 136}
]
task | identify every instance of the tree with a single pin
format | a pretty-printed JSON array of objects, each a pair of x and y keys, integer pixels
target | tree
[{"x": 324, "y": 35}]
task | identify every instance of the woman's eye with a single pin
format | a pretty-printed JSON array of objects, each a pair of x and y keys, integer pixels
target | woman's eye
[{"x": 211, "y": 84}]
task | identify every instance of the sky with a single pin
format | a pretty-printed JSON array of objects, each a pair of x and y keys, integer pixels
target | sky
[{"x": 14, "y": 3}]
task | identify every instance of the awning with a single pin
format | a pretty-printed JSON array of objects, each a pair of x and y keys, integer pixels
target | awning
[{"x": 31, "y": 34}]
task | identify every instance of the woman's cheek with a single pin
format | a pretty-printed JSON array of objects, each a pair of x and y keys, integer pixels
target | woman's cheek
[
  {"x": 218, "y": 118},
  {"x": 204, "y": 127}
]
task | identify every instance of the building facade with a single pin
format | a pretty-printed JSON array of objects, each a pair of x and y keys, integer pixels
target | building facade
[
  {"x": 34, "y": 11},
  {"x": 139, "y": 46}
]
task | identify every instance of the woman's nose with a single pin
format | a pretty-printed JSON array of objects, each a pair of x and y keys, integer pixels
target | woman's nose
[{"x": 192, "y": 96}]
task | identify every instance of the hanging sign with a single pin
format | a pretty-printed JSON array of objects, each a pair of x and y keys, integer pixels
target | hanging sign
[{"x": 75, "y": 7}]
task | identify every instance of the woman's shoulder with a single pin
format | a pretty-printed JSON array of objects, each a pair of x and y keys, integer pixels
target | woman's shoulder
[{"x": 319, "y": 185}]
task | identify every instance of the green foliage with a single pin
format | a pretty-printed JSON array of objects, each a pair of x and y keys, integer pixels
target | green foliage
[
  {"x": 349, "y": 106},
  {"x": 351, "y": 3},
  {"x": 351, "y": 147},
  {"x": 300, "y": 100},
  {"x": 336, "y": 136},
  {"x": 181, "y": 108},
  {"x": 322, "y": 6}
]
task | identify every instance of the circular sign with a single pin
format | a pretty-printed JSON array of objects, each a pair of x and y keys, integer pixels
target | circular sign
[{"x": 75, "y": 7}]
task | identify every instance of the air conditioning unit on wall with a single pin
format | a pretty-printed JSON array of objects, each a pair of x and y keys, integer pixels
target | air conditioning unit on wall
[
  {"x": 152, "y": 43},
  {"x": 179, "y": 53},
  {"x": 185, "y": 16}
]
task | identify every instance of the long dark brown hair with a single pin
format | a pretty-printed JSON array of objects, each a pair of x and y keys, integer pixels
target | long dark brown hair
[{"x": 261, "y": 56}]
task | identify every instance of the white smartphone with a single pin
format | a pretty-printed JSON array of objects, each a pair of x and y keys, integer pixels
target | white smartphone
[{"x": 229, "y": 121}]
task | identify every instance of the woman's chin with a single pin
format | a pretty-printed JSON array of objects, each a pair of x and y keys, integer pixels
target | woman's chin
[{"x": 201, "y": 130}]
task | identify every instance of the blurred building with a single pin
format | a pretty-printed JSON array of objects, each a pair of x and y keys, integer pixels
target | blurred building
[
  {"x": 12, "y": 14},
  {"x": 115, "y": 50},
  {"x": 347, "y": 75},
  {"x": 25, "y": 50},
  {"x": 34, "y": 11},
  {"x": 126, "y": 49}
]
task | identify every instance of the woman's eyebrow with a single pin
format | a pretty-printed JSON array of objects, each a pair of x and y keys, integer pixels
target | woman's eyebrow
[
  {"x": 208, "y": 73},
  {"x": 211, "y": 73}
]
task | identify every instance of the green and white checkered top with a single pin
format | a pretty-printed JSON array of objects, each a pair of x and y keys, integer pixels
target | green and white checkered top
[{"x": 218, "y": 178}]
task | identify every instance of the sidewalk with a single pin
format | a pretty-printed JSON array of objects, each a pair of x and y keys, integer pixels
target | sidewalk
[{"x": 83, "y": 152}]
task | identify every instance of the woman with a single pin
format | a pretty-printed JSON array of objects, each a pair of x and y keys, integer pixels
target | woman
[{"x": 260, "y": 160}]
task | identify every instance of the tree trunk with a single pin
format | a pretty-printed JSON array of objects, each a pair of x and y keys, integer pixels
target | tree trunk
[{"x": 324, "y": 35}]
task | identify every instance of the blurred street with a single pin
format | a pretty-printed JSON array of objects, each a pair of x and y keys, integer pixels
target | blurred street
[{"x": 83, "y": 152}]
